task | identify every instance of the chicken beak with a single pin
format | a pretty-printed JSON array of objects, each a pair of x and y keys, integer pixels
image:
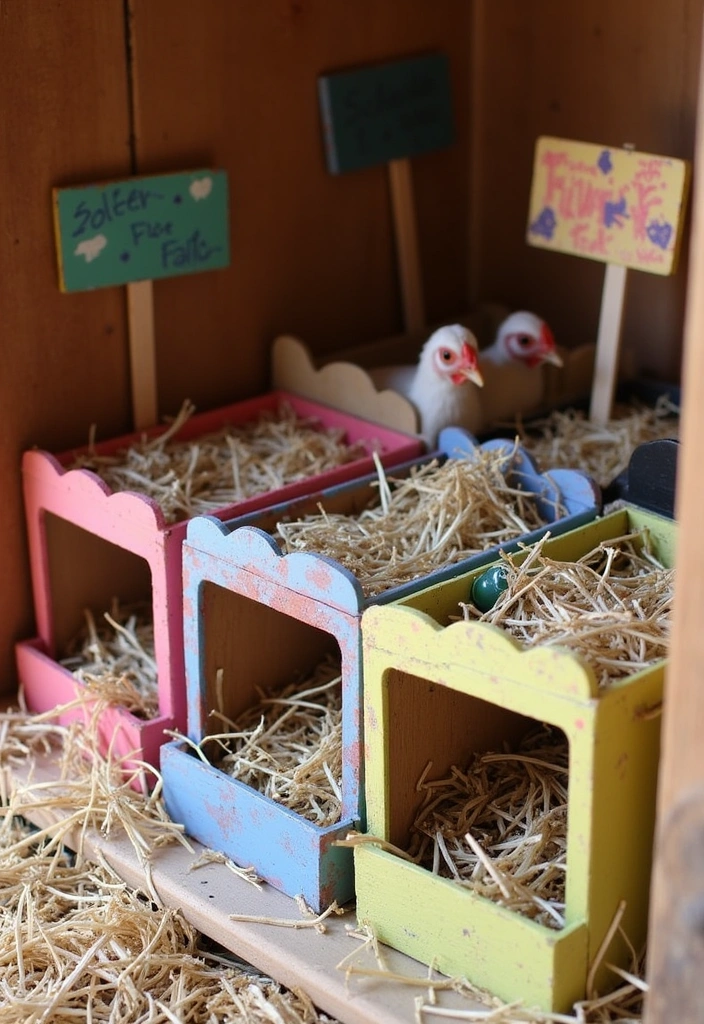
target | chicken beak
[
  {"x": 469, "y": 369},
  {"x": 466, "y": 373},
  {"x": 549, "y": 353},
  {"x": 553, "y": 357}
]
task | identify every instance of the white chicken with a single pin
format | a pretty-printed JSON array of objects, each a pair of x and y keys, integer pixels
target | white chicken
[
  {"x": 512, "y": 367},
  {"x": 441, "y": 385}
]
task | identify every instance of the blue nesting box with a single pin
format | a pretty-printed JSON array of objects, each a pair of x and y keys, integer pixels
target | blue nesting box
[{"x": 254, "y": 618}]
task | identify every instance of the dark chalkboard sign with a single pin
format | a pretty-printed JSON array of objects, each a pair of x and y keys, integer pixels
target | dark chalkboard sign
[
  {"x": 137, "y": 229},
  {"x": 386, "y": 112}
]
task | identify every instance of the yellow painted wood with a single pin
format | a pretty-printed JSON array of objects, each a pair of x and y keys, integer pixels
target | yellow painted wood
[
  {"x": 440, "y": 692},
  {"x": 413, "y": 911},
  {"x": 608, "y": 204}
]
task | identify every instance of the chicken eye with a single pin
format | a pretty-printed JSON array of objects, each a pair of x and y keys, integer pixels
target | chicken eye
[
  {"x": 524, "y": 340},
  {"x": 447, "y": 355}
]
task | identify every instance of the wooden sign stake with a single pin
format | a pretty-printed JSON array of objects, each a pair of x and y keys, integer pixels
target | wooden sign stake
[
  {"x": 386, "y": 114},
  {"x": 608, "y": 343},
  {"x": 407, "y": 249},
  {"x": 140, "y": 314}
]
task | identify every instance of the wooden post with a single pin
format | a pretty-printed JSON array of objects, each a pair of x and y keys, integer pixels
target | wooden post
[
  {"x": 407, "y": 250},
  {"x": 140, "y": 314},
  {"x": 676, "y": 942},
  {"x": 608, "y": 343}
]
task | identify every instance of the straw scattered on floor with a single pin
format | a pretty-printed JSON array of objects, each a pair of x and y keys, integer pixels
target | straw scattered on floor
[
  {"x": 612, "y": 607},
  {"x": 288, "y": 745},
  {"x": 568, "y": 439},
  {"x": 622, "y": 1005},
  {"x": 76, "y": 942},
  {"x": 188, "y": 478},
  {"x": 438, "y": 515},
  {"x": 115, "y": 659}
]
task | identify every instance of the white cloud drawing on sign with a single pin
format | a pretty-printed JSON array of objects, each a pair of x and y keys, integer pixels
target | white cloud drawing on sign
[
  {"x": 91, "y": 248},
  {"x": 201, "y": 188}
]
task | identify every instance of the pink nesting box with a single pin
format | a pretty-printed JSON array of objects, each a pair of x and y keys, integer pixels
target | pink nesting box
[{"x": 88, "y": 545}]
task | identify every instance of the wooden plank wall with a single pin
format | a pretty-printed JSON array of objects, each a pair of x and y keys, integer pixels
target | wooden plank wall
[
  {"x": 312, "y": 253},
  {"x": 63, "y": 98},
  {"x": 234, "y": 85}
]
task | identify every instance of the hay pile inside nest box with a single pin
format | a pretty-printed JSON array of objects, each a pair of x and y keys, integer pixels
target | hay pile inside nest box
[
  {"x": 499, "y": 826},
  {"x": 568, "y": 439},
  {"x": 611, "y": 607},
  {"x": 288, "y": 746},
  {"x": 188, "y": 478},
  {"x": 437, "y": 516},
  {"x": 114, "y": 658}
]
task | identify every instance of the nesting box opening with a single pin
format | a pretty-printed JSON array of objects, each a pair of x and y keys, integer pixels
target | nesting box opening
[
  {"x": 261, "y": 658},
  {"x": 272, "y": 706},
  {"x": 279, "y": 648},
  {"x": 103, "y": 618},
  {"x": 478, "y": 795},
  {"x": 88, "y": 572}
]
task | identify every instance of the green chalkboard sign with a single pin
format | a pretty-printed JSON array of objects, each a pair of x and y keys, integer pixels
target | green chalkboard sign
[
  {"x": 137, "y": 229},
  {"x": 386, "y": 112}
]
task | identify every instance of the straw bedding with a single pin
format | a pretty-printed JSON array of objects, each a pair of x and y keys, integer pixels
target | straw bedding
[
  {"x": 289, "y": 745},
  {"x": 76, "y": 943},
  {"x": 188, "y": 478},
  {"x": 114, "y": 658},
  {"x": 612, "y": 606},
  {"x": 499, "y": 826},
  {"x": 568, "y": 439},
  {"x": 437, "y": 516}
]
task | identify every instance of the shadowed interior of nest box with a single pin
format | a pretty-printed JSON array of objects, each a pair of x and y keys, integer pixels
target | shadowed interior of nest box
[
  {"x": 255, "y": 649},
  {"x": 88, "y": 572},
  {"x": 428, "y": 722}
]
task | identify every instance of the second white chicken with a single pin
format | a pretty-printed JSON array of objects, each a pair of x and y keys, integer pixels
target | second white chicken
[{"x": 512, "y": 368}]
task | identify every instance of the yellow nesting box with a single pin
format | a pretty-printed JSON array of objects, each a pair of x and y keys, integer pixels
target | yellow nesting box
[{"x": 438, "y": 692}]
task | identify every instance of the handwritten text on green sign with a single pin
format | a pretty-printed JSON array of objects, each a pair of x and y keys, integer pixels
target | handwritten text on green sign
[{"x": 141, "y": 228}]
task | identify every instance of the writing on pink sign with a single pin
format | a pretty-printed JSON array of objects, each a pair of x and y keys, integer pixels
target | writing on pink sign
[{"x": 613, "y": 205}]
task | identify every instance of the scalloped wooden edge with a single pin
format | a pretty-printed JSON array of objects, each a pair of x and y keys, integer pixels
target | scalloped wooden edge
[
  {"x": 410, "y": 635},
  {"x": 347, "y": 385},
  {"x": 343, "y": 385},
  {"x": 250, "y": 548},
  {"x": 87, "y": 488}
]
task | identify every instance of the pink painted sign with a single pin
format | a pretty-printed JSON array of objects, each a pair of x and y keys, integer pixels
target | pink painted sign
[{"x": 613, "y": 205}]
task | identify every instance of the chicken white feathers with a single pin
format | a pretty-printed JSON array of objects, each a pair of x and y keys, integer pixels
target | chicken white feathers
[
  {"x": 512, "y": 367},
  {"x": 443, "y": 386}
]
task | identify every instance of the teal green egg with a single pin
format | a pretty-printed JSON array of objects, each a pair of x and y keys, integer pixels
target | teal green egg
[{"x": 487, "y": 588}]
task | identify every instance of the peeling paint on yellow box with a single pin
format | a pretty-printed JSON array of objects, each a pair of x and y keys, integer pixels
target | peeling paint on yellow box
[{"x": 439, "y": 690}]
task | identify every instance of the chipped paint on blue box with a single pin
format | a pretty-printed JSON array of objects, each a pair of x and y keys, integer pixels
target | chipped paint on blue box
[{"x": 293, "y": 855}]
